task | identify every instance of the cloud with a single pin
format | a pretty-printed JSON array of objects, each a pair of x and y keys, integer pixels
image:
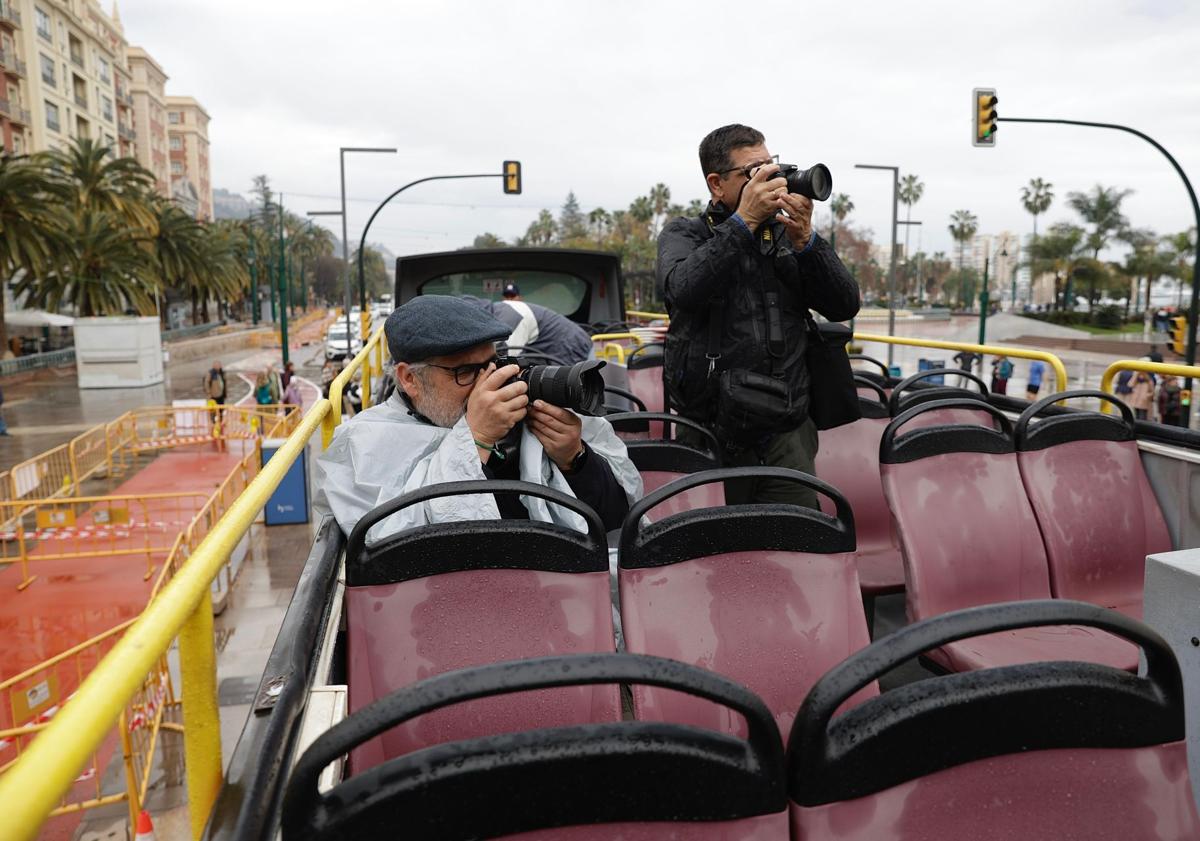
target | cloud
[{"x": 607, "y": 99}]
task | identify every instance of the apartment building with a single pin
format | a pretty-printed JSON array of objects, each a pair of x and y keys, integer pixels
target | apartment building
[
  {"x": 148, "y": 86},
  {"x": 187, "y": 132},
  {"x": 14, "y": 113},
  {"x": 72, "y": 49}
]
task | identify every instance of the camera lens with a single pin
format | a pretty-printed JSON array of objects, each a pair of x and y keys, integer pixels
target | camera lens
[
  {"x": 816, "y": 182},
  {"x": 579, "y": 387}
]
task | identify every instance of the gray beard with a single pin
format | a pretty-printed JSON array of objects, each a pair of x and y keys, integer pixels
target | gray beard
[{"x": 443, "y": 413}]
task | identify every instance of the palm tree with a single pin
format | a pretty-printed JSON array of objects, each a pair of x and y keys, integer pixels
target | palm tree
[
  {"x": 660, "y": 197},
  {"x": 841, "y": 207},
  {"x": 1102, "y": 210},
  {"x": 642, "y": 210},
  {"x": 95, "y": 180},
  {"x": 33, "y": 223},
  {"x": 911, "y": 190},
  {"x": 1059, "y": 252},
  {"x": 963, "y": 225},
  {"x": 695, "y": 207},
  {"x": 1036, "y": 198},
  {"x": 599, "y": 221},
  {"x": 1181, "y": 249},
  {"x": 104, "y": 272},
  {"x": 176, "y": 248}
]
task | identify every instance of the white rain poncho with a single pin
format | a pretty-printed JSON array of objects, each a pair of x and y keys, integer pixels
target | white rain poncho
[{"x": 384, "y": 453}]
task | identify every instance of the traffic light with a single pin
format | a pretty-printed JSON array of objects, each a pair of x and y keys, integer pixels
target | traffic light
[
  {"x": 512, "y": 177},
  {"x": 1179, "y": 330},
  {"x": 984, "y": 102}
]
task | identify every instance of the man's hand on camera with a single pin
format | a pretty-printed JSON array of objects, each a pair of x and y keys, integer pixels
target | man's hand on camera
[
  {"x": 559, "y": 430},
  {"x": 495, "y": 406},
  {"x": 798, "y": 220},
  {"x": 762, "y": 197}
]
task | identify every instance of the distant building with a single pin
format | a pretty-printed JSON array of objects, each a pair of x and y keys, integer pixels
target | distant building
[
  {"x": 148, "y": 86},
  {"x": 229, "y": 205},
  {"x": 187, "y": 137}
]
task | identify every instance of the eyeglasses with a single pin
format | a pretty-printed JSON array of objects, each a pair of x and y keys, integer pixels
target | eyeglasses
[
  {"x": 463, "y": 374},
  {"x": 748, "y": 169}
]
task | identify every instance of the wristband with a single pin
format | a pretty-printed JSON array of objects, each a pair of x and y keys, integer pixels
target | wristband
[{"x": 491, "y": 448}]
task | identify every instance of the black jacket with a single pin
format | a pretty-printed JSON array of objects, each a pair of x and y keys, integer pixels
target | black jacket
[{"x": 713, "y": 257}]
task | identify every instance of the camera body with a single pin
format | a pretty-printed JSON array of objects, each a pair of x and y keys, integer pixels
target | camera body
[
  {"x": 816, "y": 182},
  {"x": 579, "y": 387}
]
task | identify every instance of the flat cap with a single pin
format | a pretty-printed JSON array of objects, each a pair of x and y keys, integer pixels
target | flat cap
[{"x": 438, "y": 325}]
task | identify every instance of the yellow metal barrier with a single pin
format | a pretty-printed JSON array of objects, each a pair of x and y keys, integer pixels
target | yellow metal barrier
[
  {"x": 1060, "y": 370},
  {"x": 45, "y": 476},
  {"x": 361, "y": 362},
  {"x": 33, "y": 786},
  {"x": 1160, "y": 368},
  {"x": 613, "y": 349},
  {"x": 88, "y": 453},
  {"x": 94, "y": 527}
]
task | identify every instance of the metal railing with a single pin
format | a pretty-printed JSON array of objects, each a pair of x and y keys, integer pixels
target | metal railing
[
  {"x": 33, "y": 361},
  {"x": 10, "y": 14},
  {"x": 1161, "y": 368},
  {"x": 363, "y": 365},
  {"x": 189, "y": 331}
]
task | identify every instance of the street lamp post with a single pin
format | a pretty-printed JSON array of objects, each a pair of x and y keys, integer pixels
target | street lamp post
[
  {"x": 984, "y": 298},
  {"x": 895, "y": 170},
  {"x": 345, "y": 235},
  {"x": 362, "y": 242}
]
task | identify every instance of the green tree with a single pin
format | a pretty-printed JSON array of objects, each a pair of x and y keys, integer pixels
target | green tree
[
  {"x": 911, "y": 190},
  {"x": 1059, "y": 252},
  {"x": 695, "y": 207},
  {"x": 1181, "y": 251},
  {"x": 840, "y": 207},
  {"x": 660, "y": 199},
  {"x": 33, "y": 222},
  {"x": 599, "y": 224},
  {"x": 176, "y": 245},
  {"x": 92, "y": 180},
  {"x": 488, "y": 241},
  {"x": 542, "y": 231},
  {"x": 963, "y": 226},
  {"x": 374, "y": 271},
  {"x": 1101, "y": 209},
  {"x": 1037, "y": 198},
  {"x": 571, "y": 223}
]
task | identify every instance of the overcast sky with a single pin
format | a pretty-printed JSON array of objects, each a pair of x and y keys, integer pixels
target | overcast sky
[{"x": 608, "y": 98}]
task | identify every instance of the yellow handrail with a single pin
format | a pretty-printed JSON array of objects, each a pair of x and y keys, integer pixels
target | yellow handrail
[
  {"x": 653, "y": 316},
  {"x": 612, "y": 337},
  {"x": 338, "y": 386},
  {"x": 1060, "y": 370},
  {"x": 1164, "y": 368},
  {"x": 31, "y": 789}
]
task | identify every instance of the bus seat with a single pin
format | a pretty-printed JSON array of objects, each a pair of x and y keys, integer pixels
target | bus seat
[
  {"x": 644, "y": 368},
  {"x": 922, "y": 392},
  {"x": 883, "y": 378},
  {"x": 848, "y": 459},
  {"x": 662, "y": 460},
  {"x": 450, "y": 595},
  {"x": 1036, "y": 751},
  {"x": 969, "y": 537},
  {"x": 632, "y": 780},
  {"x": 1098, "y": 516},
  {"x": 765, "y": 594}
]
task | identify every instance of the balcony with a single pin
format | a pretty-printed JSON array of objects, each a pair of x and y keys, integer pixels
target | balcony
[
  {"x": 20, "y": 115},
  {"x": 126, "y": 97},
  {"x": 9, "y": 15},
  {"x": 126, "y": 133},
  {"x": 5, "y": 108},
  {"x": 12, "y": 64}
]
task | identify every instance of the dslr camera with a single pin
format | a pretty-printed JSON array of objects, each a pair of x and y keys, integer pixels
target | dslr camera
[
  {"x": 816, "y": 182},
  {"x": 579, "y": 387}
]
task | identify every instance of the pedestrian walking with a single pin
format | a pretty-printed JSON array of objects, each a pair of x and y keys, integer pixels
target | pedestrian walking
[
  {"x": 273, "y": 384},
  {"x": 289, "y": 371},
  {"x": 1142, "y": 395},
  {"x": 214, "y": 383},
  {"x": 1170, "y": 401},
  {"x": 1124, "y": 386},
  {"x": 262, "y": 389},
  {"x": 1001, "y": 370},
  {"x": 1037, "y": 370},
  {"x": 965, "y": 359},
  {"x": 291, "y": 395}
]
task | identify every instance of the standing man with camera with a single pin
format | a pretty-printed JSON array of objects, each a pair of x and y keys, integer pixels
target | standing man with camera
[
  {"x": 739, "y": 282},
  {"x": 459, "y": 413}
]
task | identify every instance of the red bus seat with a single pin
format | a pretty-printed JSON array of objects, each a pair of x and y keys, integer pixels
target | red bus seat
[
  {"x": 921, "y": 392},
  {"x": 765, "y": 594},
  {"x": 848, "y": 459},
  {"x": 618, "y": 780},
  {"x": 969, "y": 537},
  {"x": 1038, "y": 752},
  {"x": 665, "y": 459},
  {"x": 644, "y": 369},
  {"x": 446, "y": 596},
  {"x": 1098, "y": 516}
]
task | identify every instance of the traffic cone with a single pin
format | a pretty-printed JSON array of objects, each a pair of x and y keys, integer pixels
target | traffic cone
[{"x": 145, "y": 828}]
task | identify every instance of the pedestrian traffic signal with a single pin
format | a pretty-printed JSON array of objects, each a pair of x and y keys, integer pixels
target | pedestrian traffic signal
[
  {"x": 1179, "y": 329},
  {"x": 984, "y": 102},
  {"x": 512, "y": 177}
]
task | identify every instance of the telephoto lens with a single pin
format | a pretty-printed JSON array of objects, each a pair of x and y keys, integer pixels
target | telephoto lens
[
  {"x": 816, "y": 182},
  {"x": 579, "y": 387}
]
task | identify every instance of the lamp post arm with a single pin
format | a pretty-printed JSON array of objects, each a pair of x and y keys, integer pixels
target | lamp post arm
[
  {"x": 1194, "y": 309},
  {"x": 362, "y": 284}
]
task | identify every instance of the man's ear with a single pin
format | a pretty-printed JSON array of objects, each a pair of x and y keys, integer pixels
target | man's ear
[
  {"x": 715, "y": 188},
  {"x": 406, "y": 378}
]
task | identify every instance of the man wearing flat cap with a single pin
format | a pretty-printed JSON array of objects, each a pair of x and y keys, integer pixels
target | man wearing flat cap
[{"x": 456, "y": 416}]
